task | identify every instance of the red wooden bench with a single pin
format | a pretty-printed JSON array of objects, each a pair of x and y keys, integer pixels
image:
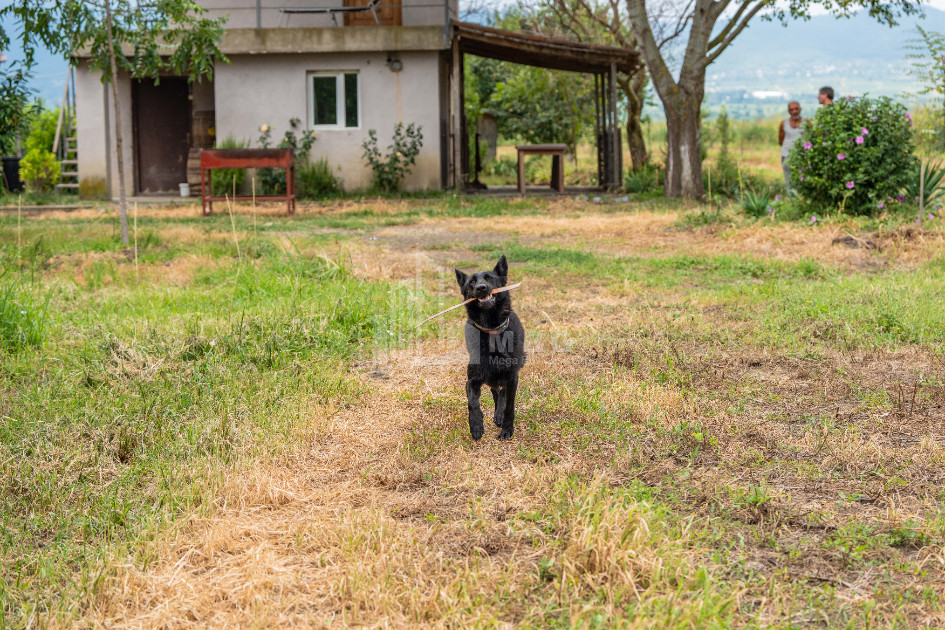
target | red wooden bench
[{"x": 246, "y": 158}]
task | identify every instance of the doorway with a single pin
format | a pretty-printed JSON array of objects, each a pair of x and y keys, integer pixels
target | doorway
[{"x": 162, "y": 134}]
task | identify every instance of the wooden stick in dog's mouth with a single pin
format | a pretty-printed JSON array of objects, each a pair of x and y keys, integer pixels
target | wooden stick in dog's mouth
[{"x": 494, "y": 291}]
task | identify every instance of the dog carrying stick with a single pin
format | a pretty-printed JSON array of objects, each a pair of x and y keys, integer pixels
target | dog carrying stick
[{"x": 494, "y": 291}]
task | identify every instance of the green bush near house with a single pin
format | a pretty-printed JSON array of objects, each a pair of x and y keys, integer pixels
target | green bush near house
[
  {"x": 316, "y": 180},
  {"x": 224, "y": 180},
  {"x": 39, "y": 170}
]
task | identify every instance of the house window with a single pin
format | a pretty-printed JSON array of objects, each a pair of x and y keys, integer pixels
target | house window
[{"x": 333, "y": 100}]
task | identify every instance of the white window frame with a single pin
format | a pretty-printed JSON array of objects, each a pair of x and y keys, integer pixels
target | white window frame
[{"x": 339, "y": 105}]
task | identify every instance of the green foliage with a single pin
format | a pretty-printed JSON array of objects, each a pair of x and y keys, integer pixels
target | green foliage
[
  {"x": 541, "y": 106},
  {"x": 22, "y": 315},
  {"x": 316, "y": 180},
  {"x": 928, "y": 69},
  {"x": 272, "y": 180},
  {"x": 933, "y": 188},
  {"x": 14, "y": 100},
  {"x": 39, "y": 170},
  {"x": 854, "y": 155},
  {"x": 165, "y": 35},
  {"x": 42, "y": 128},
  {"x": 755, "y": 205},
  {"x": 646, "y": 179},
  {"x": 224, "y": 180},
  {"x": 390, "y": 169}
]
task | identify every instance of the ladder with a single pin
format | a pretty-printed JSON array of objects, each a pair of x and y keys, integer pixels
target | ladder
[{"x": 65, "y": 146}]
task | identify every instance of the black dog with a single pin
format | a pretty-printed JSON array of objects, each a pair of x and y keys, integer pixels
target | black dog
[{"x": 496, "y": 343}]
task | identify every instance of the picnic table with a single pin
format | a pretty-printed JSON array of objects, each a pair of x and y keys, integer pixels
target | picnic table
[
  {"x": 211, "y": 159},
  {"x": 556, "y": 151}
]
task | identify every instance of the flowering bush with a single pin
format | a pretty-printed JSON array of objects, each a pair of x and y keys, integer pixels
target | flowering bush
[
  {"x": 855, "y": 154},
  {"x": 389, "y": 170},
  {"x": 272, "y": 180}
]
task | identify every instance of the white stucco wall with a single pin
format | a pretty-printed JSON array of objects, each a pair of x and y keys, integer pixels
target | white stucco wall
[
  {"x": 95, "y": 128},
  {"x": 272, "y": 89}
]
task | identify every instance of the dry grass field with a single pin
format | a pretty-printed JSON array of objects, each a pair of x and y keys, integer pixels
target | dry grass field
[{"x": 736, "y": 424}]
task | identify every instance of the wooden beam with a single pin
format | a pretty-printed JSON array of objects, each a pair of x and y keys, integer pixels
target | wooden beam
[{"x": 456, "y": 103}]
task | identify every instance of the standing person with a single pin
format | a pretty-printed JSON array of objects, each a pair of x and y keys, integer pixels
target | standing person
[
  {"x": 788, "y": 133},
  {"x": 825, "y": 95}
]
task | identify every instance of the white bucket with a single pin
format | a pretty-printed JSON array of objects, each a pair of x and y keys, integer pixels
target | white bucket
[{"x": 185, "y": 190}]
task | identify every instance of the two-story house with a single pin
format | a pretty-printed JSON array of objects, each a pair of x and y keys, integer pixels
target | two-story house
[{"x": 340, "y": 73}]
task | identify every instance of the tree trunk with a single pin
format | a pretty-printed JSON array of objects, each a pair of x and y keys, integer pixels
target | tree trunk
[
  {"x": 633, "y": 87},
  {"x": 122, "y": 200},
  {"x": 683, "y": 159}
]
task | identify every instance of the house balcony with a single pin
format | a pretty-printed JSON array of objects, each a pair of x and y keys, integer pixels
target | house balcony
[{"x": 307, "y": 14}]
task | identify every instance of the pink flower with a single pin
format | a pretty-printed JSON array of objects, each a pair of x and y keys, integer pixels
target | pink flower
[
  {"x": 908, "y": 115},
  {"x": 808, "y": 145},
  {"x": 931, "y": 216},
  {"x": 813, "y": 219},
  {"x": 777, "y": 197},
  {"x": 900, "y": 198},
  {"x": 859, "y": 139},
  {"x": 849, "y": 184},
  {"x": 880, "y": 206},
  {"x": 841, "y": 156},
  {"x": 866, "y": 131}
]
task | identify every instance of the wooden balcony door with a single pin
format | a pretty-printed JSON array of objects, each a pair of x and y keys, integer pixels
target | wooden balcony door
[{"x": 388, "y": 11}]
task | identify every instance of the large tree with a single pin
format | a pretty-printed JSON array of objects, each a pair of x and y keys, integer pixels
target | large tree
[
  {"x": 142, "y": 38},
  {"x": 600, "y": 22},
  {"x": 713, "y": 26}
]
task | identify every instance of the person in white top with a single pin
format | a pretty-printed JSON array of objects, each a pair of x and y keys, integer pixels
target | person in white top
[{"x": 788, "y": 133}]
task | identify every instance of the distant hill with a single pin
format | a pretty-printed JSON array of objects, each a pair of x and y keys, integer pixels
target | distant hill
[{"x": 770, "y": 64}]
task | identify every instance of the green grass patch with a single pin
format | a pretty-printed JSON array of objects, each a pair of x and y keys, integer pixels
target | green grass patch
[{"x": 122, "y": 403}]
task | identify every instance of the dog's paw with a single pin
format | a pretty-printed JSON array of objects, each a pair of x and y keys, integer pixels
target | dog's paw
[
  {"x": 497, "y": 422},
  {"x": 476, "y": 430},
  {"x": 505, "y": 434}
]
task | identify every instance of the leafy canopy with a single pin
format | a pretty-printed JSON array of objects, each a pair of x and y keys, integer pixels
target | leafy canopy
[{"x": 155, "y": 35}]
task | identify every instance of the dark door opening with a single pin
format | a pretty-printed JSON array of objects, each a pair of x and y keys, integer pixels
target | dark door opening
[{"x": 162, "y": 134}]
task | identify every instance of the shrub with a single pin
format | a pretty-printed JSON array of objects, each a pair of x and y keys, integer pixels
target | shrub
[
  {"x": 754, "y": 204},
  {"x": 222, "y": 180},
  {"x": 645, "y": 179},
  {"x": 40, "y": 170},
  {"x": 316, "y": 181},
  {"x": 855, "y": 154},
  {"x": 389, "y": 170},
  {"x": 42, "y": 132},
  {"x": 934, "y": 187},
  {"x": 272, "y": 180}
]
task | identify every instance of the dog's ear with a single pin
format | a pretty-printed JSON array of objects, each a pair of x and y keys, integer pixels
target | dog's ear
[
  {"x": 502, "y": 267},
  {"x": 461, "y": 278}
]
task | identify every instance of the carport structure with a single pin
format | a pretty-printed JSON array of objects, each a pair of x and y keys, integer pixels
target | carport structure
[{"x": 544, "y": 52}]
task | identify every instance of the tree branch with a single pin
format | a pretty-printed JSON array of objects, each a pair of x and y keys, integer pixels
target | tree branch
[{"x": 721, "y": 46}]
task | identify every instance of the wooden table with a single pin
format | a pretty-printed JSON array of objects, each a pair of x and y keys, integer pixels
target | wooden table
[
  {"x": 246, "y": 158},
  {"x": 556, "y": 151}
]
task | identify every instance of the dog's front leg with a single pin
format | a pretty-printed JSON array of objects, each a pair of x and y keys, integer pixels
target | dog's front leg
[
  {"x": 473, "y": 392},
  {"x": 508, "y": 419},
  {"x": 498, "y": 395}
]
